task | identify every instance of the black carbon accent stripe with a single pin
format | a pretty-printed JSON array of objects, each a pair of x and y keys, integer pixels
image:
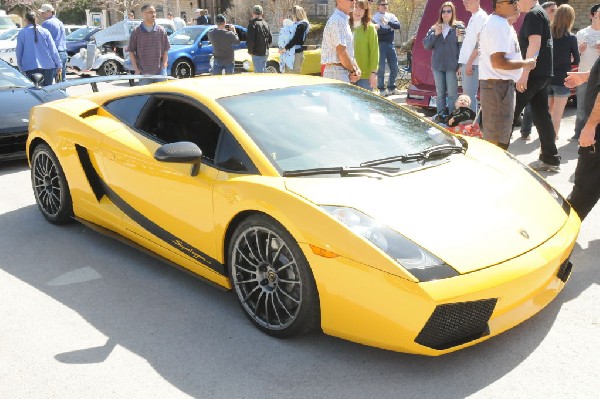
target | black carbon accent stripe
[{"x": 177, "y": 243}]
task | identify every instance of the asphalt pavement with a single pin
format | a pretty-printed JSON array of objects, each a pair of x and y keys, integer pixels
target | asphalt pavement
[{"x": 85, "y": 316}]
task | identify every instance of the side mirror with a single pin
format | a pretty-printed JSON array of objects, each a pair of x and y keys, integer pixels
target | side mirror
[
  {"x": 38, "y": 78},
  {"x": 181, "y": 152}
]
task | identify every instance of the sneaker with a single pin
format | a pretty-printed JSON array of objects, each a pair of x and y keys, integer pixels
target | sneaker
[
  {"x": 541, "y": 166},
  {"x": 525, "y": 136},
  {"x": 394, "y": 92},
  {"x": 574, "y": 138},
  {"x": 383, "y": 93}
]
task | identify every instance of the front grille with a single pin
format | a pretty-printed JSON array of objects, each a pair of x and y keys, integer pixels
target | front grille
[
  {"x": 564, "y": 271},
  {"x": 454, "y": 324}
]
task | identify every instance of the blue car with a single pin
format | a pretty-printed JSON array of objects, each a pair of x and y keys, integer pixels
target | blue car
[
  {"x": 79, "y": 39},
  {"x": 191, "y": 51}
]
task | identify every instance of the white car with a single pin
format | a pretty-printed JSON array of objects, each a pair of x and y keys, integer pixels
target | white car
[
  {"x": 72, "y": 28},
  {"x": 8, "y": 45}
]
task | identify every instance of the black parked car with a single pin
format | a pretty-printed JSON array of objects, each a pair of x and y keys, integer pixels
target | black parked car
[
  {"x": 79, "y": 39},
  {"x": 17, "y": 95}
]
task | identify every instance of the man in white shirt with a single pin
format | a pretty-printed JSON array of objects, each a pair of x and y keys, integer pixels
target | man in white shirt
[
  {"x": 588, "y": 40},
  {"x": 468, "y": 57},
  {"x": 500, "y": 66},
  {"x": 337, "y": 48}
]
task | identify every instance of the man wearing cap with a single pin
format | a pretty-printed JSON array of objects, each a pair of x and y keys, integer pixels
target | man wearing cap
[
  {"x": 149, "y": 46},
  {"x": 223, "y": 39},
  {"x": 57, "y": 31},
  {"x": 258, "y": 39},
  {"x": 337, "y": 48}
]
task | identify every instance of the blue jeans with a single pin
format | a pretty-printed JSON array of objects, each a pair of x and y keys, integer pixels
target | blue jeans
[
  {"x": 387, "y": 51},
  {"x": 63, "y": 59},
  {"x": 445, "y": 82},
  {"x": 48, "y": 75},
  {"x": 581, "y": 118},
  {"x": 218, "y": 68},
  {"x": 527, "y": 121},
  {"x": 144, "y": 81},
  {"x": 260, "y": 63},
  {"x": 470, "y": 85}
]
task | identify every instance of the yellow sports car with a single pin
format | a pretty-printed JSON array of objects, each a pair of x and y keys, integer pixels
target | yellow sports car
[
  {"x": 319, "y": 204},
  {"x": 310, "y": 66}
]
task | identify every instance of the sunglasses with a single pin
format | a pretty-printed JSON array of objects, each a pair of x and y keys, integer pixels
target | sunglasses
[
  {"x": 446, "y": 11},
  {"x": 508, "y": 1}
]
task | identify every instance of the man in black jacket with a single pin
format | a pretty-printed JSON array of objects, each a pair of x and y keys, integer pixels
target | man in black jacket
[{"x": 258, "y": 39}]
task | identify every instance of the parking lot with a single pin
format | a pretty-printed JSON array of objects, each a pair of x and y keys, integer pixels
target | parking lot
[{"x": 83, "y": 315}]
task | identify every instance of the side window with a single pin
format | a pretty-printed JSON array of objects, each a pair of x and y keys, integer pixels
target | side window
[
  {"x": 241, "y": 33},
  {"x": 171, "y": 120},
  {"x": 232, "y": 156},
  {"x": 127, "y": 109}
]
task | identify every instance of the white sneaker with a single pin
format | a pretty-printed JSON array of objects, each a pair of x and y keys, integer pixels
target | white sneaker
[
  {"x": 394, "y": 92},
  {"x": 541, "y": 166},
  {"x": 383, "y": 93}
]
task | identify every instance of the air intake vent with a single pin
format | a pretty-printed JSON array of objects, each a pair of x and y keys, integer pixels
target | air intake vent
[
  {"x": 454, "y": 324},
  {"x": 564, "y": 271},
  {"x": 89, "y": 113}
]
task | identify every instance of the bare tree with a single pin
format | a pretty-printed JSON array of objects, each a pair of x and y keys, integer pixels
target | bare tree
[{"x": 409, "y": 14}]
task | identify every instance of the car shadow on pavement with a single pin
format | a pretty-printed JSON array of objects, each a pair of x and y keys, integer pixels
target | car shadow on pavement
[{"x": 196, "y": 337}]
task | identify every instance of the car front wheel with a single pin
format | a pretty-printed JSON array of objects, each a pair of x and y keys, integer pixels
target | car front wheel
[
  {"x": 109, "y": 68},
  {"x": 272, "y": 279},
  {"x": 273, "y": 67},
  {"x": 183, "y": 69},
  {"x": 50, "y": 186}
]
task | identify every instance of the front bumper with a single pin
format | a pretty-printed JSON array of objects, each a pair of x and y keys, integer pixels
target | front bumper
[{"x": 365, "y": 305}]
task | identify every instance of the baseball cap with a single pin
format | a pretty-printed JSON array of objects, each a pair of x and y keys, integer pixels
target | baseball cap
[
  {"x": 221, "y": 19},
  {"x": 46, "y": 7},
  {"x": 257, "y": 9}
]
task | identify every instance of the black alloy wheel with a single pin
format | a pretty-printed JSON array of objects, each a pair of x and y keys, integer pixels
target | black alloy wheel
[
  {"x": 109, "y": 68},
  {"x": 183, "y": 69}
]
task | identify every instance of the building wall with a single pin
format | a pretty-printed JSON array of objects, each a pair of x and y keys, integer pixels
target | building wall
[{"x": 582, "y": 12}]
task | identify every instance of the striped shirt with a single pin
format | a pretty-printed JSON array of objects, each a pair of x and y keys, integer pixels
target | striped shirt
[
  {"x": 148, "y": 47},
  {"x": 40, "y": 55},
  {"x": 337, "y": 31}
]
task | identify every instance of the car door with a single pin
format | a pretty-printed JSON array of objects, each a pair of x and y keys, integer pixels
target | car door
[
  {"x": 204, "y": 53},
  {"x": 163, "y": 204}
]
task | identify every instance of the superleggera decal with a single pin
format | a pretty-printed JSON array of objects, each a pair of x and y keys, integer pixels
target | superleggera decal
[{"x": 100, "y": 189}]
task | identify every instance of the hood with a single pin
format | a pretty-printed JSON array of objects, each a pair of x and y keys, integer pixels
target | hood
[
  {"x": 17, "y": 103},
  {"x": 470, "y": 214}
]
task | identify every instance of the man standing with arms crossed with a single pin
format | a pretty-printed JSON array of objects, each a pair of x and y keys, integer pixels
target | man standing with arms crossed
[
  {"x": 258, "y": 39},
  {"x": 386, "y": 23},
  {"x": 337, "y": 48},
  {"x": 149, "y": 46},
  {"x": 536, "y": 42},
  {"x": 469, "y": 55},
  {"x": 57, "y": 31},
  {"x": 500, "y": 65}
]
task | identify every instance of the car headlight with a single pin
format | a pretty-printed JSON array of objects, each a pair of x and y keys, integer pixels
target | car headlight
[
  {"x": 246, "y": 65},
  {"x": 416, "y": 260},
  {"x": 551, "y": 190}
]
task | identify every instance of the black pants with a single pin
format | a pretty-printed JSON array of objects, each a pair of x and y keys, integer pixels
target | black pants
[
  {"x": 537, "y": 95},
  {"x": 586, "y": 190}
]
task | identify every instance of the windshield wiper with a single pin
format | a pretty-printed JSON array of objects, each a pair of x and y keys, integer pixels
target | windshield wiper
[
  {"x": 437, "y": 151},
  {"x": 341, "y": 170}
]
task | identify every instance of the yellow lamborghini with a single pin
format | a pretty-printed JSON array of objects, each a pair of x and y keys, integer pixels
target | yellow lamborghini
[{"x": 319, "y": 204}]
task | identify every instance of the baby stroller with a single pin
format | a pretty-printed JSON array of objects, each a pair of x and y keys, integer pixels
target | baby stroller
[{"x": 468, "y": 128}]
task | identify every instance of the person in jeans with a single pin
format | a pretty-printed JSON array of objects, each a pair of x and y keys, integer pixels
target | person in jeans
[
  {"x": 442, "y": 38},
  {"x": 337, "y": 48},
  {"x": 36, "y": 51},
  {"x": 468, "y": 57},
  {"x": 57, "y": 30},
  {"x": 536, "y": 42},
  {"x": 589, "y": 50},
  {"x": 386, "y": 23},
  {"x": 223, "y": 39},
  {"x": 258, "y": 39}
]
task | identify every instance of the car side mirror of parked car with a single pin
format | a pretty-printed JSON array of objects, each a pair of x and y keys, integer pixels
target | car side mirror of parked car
[
  {"x": 181, "y": 152},
  {"x": 38, "y": 78}
]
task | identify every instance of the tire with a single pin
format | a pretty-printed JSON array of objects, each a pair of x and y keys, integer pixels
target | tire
[
  {"x": 183, "y": 69},
  {"x": 109, "y": 68},
  {"x": 272, "y": 279},
  {"x": 50, "y": 186},
  {"x": 272, "y": 67}
]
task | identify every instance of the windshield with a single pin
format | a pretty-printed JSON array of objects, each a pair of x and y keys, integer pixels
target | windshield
[
  {"x": 330, "y": 125},
  {"x": 9, "y": 34},
  {"x": 185, "y": 36},
  {"x": 6, "y": 22},
  {"x": 10, "y": 77},
  {"x": 80, "y": 34}
]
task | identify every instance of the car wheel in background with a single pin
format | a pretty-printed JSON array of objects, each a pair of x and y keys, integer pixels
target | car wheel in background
[
  {"x": 272, "y": 67},
  {"x": 50, "y": 186},
  {"x": 109, "y": 68},
  {"x": 182, "y": 69},
  {"x": 272, "y": 279}
]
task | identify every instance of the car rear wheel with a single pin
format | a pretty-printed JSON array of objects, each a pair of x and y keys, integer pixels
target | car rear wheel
[
  {"x": 50, "y": 186},
  {"x": 183, "y": 69},
  {"x": 109, "y": 68},
  {"x": 272, "y": 279},
  {"x": 272, "y": 67}
]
